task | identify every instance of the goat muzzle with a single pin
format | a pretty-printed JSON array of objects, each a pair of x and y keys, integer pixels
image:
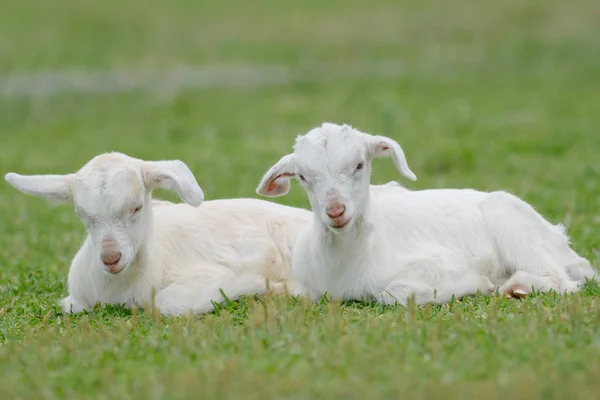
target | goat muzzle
[{"x": 335, "y": 211}]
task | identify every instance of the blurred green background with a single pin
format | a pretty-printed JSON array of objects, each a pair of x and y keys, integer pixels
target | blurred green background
[{"x": 484, "y": 94}]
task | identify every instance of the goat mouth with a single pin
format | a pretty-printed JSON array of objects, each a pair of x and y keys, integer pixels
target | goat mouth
[
  {"x": 339, "y": 224},
  {"x": 112, "y": 269}
]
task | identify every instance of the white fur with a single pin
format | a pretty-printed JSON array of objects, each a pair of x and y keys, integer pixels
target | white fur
[
  {"x": 183, "y": 253},
  {"x": 396, "y": 243}
]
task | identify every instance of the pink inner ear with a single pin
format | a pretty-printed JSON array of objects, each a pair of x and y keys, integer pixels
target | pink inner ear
[
  {"x": 382, "y": 146},
  {"x": 273, "y": 183}
]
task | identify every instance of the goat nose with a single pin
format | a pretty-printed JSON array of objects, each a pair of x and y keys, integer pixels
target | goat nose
[
  {"x": 336, "y": 210},
  {"x": 111, "y": 258}
]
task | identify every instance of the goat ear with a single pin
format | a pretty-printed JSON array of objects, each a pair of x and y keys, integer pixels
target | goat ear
[
  {"x": 381, "y": 146},
  {"x": 55, "y": 188},
  {"x": 276, "y": 181},
  {"x": 173, "y": 175}
]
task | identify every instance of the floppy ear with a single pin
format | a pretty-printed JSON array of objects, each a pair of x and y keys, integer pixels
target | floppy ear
[
  {"x": 276, "y": 181},
  {"x": 381, "y": 146},
  {"x": 173, "y": 175},
  {"x": 55, "y": 188}
]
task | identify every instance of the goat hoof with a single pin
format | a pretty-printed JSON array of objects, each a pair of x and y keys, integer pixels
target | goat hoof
[{"x": 517, "y": 291}]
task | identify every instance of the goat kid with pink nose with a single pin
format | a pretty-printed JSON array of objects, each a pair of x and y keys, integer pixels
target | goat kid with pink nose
[
  {"x": 388, "y": 243},
  {"x": 183, "y": 253}
]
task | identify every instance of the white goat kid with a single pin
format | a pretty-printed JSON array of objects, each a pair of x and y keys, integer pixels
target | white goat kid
[
  {"x": 391, "y": 243},
  {"x": 184, "y": 253}
]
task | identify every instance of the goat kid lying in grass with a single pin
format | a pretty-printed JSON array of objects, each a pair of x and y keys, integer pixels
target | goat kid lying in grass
[
  {"x": 392, "y": 243},
  {"x": 185, "y": 254}
]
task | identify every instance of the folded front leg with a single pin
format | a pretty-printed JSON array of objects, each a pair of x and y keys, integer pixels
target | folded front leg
[
  {"x": 399, "y": 291},
  {"x": 185, "y": 296},
  {"x": 434, "y": 279},
  {"x": 70, "y": 305}
]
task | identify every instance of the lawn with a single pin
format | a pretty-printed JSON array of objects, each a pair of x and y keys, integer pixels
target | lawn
[{"x": 483, "y": 94}]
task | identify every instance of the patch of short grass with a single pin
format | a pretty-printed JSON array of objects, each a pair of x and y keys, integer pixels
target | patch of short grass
[{"x": 491, "y": 95}]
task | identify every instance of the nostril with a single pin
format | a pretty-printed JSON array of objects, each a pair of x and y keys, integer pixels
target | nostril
[
  {"x": 111, "y": 258},
  {"x": 336, "y": 211}
]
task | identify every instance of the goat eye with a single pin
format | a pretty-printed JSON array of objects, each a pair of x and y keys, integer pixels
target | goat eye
[
  {"x": 138, "y": 208},
  {"x": 302, "y": 178},
  {"x": 360, "y": 166}
]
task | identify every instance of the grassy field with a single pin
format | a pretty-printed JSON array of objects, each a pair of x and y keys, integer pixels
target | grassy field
[{"x": 483, "y": 94}]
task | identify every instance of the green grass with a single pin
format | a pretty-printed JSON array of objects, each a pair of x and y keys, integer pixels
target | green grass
[{"x": 492, "y": 95}]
